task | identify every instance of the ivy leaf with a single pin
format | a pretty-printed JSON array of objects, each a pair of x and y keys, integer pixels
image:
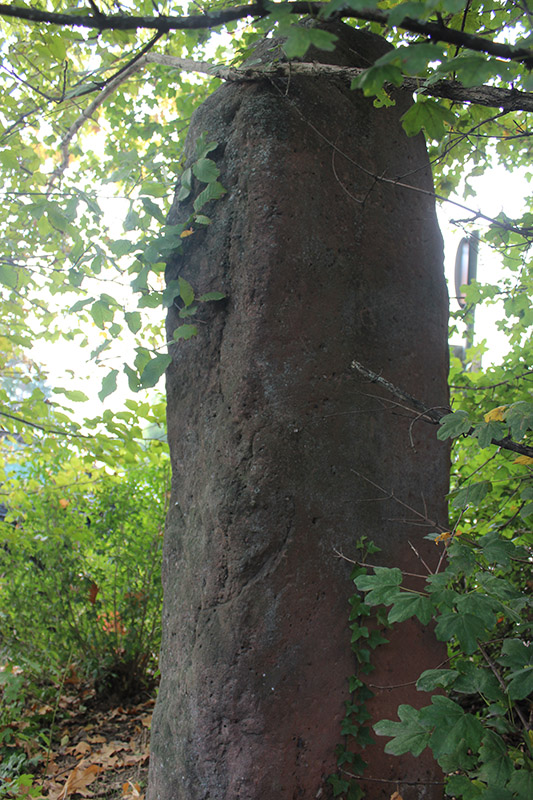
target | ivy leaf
[
  {"x": 410, "y": 735},
  {"x": 453, "y": 425},
  {"x": 109, "y": 384},
  {"x": 154, "y": 369}
]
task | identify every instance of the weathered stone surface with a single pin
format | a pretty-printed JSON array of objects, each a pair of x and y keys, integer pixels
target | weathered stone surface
[{"x": 323, "y": 261}]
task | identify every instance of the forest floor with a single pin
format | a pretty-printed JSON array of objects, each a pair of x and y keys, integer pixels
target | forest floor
[{"x": 98, "y": 750}]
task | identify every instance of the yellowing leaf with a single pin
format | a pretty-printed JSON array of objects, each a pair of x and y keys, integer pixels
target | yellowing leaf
[
  {"x": 443, "y": 537},
  {"x": 525, "y": 460},
  {"x": 64, "y": 503},
  {"x": 188, "y": 232},
  {"x": 496, "y": 414}
]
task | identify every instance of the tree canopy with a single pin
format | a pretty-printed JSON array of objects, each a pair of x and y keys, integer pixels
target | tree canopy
[{"x": 97, "y": 98}]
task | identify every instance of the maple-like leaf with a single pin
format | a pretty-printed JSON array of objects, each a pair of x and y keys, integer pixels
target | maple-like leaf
[
  {"x": 79, "y": 778},
  {"x": 496, "y": 414}
]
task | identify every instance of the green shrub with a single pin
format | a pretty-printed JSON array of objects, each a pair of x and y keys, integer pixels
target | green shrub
[{"x": 80, "y": 572}]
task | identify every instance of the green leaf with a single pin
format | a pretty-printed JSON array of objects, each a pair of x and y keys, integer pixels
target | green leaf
[
  {"x": 206, "y": 170},
  {"x": 185, "y": 185},
  {"x": 73, "y": 395},
  {"x": 382, "y": 586},
  {"x": 8, "y": 276},
  {"x": 372, "y": 80},
  {"x": 171, "y": 291},
  {"x": 210, "y": 296},
  {"x": 133, "y": 321},
  {"x": 496, "y": 549},
  {"x": 430, "y": 116},
  {"x": 213, "y": 191},
  {"x": 471, "y": 495},
  {"x": 485, "y": 432},
  {"x": 460, "y": 786},
  {"x": 432, "y": 679},
  {"x": 471, "y": 69},
  {"x": 154, "y": 210},
  {"x": 133, "y": 378},
  {"x": 153, "y": 188},
  {"x": 357, "y": 5},
  {"x": 516, "y": 654},
  {"x": 203, "y": 147},
  {"x": 410, "y": 735},
  {"x": 466, "y": 628},
  {"x": 300, "y": 39},
  {"x": 452, "y": 727},
  {"x": 185, "y": 332},
  {"x": 80, "y": 305},
  {"x": 154, "y": 369},
  {"x": 453, "y": 425},
  {"x": 519, "y": 417},
  {"x": 409, "y": 605},
  {"x": 186, "y": 291},
  {"x": 109, "y": 384},
  {"x": 521, "y": 784},
  {"x": 101, "y": 313}
]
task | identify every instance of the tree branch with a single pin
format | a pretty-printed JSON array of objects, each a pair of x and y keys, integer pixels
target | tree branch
[
  {"x": 133, "y": 66},
  {"x": 433, "y": 415},
  {"x": 436, "y": 31},
  {"x": 492, "y": 96},
  {"x": 25, "y": 421}
]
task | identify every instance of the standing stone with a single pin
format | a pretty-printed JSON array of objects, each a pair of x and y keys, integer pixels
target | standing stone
[{"x": 327, "y": 248}]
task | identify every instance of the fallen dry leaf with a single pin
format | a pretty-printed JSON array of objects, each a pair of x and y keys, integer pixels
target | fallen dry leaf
[
  {"x": 97, "y": 739},
  {"x": 132, "y": 791},
  {"x": 396, "y": 796},
  {"x": 78, "y": 779},
  {"x": 80, "y": 749}
]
